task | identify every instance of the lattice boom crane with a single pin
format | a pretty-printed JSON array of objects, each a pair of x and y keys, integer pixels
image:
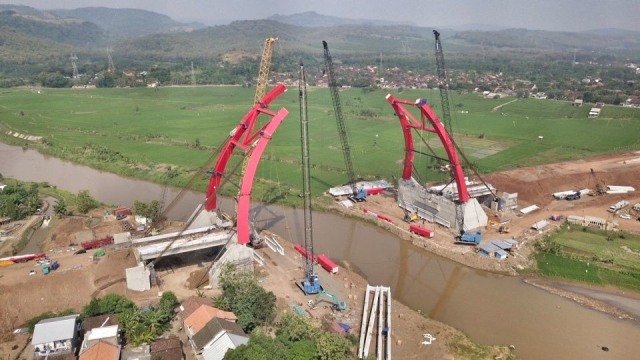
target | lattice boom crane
[
  {"x": 358, "y": 195},
  {"x": 265, "y": 67}
]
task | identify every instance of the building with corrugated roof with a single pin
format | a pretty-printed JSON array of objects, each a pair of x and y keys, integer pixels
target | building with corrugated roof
[{"x": 56, "y": 335}]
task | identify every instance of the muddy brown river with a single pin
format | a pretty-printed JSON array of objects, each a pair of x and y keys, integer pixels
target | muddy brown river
[{"x": 491, "y": 309}]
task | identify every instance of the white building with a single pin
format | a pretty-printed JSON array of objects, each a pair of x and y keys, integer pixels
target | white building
[{"x": 56, "y": 336}]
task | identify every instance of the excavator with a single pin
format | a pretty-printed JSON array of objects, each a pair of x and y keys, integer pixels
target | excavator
[{"x": 336, "y": 304}]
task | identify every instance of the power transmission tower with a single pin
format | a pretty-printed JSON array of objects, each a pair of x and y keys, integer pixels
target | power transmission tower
[
  {"x": 111, "y": 68},
  {"x": 193, "y": 76},
  {"x": 74, "y": 64}
]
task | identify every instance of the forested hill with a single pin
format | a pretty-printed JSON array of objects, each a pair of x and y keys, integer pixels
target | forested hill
[
  {"x": 596, "y": 40},
  {"x": 249, "y": 35},
  {"x": 70, "y": 31},
  {"x": 128, "y": 23},
  {"x": 313, "y": 19},
  {"x": 89, "y": 27}
]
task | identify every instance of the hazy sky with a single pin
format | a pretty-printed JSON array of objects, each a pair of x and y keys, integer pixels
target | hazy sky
[{"x": 570, "y": 15}]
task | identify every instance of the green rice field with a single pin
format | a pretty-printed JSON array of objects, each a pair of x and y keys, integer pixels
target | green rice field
[
  {"x": 596, "y": 257},
  {"x": 141, "y": 131}
]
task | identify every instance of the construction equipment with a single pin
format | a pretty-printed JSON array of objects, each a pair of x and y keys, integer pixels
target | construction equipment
[
  {"x": 503, "y": 229},
  {"x": 265, "y": 67},
  {"x": 336, "y": 304},
  {"x": 471, "y": 237},
  {"x": 601, "y": 187},
  {"x": 311, "y": 284},
  {"x": 357, "y": 195},
  {"x": 443, "y": 85},
  {"x": 409, "y": 216}
]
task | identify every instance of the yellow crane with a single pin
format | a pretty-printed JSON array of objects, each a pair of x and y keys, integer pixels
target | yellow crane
[{"x": 265, "y": 66}]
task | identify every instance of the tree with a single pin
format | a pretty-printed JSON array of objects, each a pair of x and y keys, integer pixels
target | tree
[
  {"x": 60, "y": 208},
  {"x": 19, "y": 201},
  {"x": 242, "y": 294},
  {"x": 161, "y": 74},
  {"x": 107, "y": 80},
  {"x": 84, "y": 202},
  {"x": 260, "y": 346},
  {"x": 115, "y": 304},
  {"x": 168, "y": 301},
  {"x": 294, "y": 328},
  {"x": 151, "y": 210},
  {"x": 56, "y": 80},
  {"x": 332, "y": 347}
]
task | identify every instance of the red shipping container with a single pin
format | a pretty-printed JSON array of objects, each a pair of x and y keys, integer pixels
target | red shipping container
[
  {"x": 374, "y": 191},
  {"x": 299, "y": 248},
  {"x": 384, "y": 217},
  {"x": 327, "y": 264},
  {"x": 421, "y": 231}
]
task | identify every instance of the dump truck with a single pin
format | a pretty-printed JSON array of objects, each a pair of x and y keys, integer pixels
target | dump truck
[{"x": 471, "y": 237}]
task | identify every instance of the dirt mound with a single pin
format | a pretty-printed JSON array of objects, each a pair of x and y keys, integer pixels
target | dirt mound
[
  {"x": 109, "y": 267},
  {"x": 197, "y": 279},
  {"x": 535, "y": 185},
  {"x": 64, "y": 234}
]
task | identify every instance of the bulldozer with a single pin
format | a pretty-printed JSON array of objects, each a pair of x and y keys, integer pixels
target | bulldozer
[{"x": 503, "y": 229}]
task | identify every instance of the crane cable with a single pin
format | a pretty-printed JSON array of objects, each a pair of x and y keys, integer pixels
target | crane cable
[{"x": 201, "y": 170}]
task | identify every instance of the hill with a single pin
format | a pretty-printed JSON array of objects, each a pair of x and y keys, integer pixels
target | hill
[
  {"x": 69, "y": 31},
  {"x": 313, "y": 19},
  {"x": 128, "y": 23},
  {"x": 23, "y": 55},
  {"x": 595, "y": 40}
]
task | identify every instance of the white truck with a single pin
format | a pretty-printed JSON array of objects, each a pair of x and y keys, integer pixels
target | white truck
[
  {"x": 636, "y": 207},
  {"x": 619, "y": 205}
]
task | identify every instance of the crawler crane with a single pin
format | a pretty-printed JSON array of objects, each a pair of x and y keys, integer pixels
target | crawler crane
[
  {"x": 356, "y": 194},
  {"x": 311, "y": 283}
]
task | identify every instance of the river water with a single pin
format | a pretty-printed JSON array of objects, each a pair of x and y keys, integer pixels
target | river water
[{"x": 491, "y": 309}]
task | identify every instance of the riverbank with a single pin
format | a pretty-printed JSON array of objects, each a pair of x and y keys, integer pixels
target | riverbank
[
  {"x": 600, "y": 298},
  {"x": 482, "y": 305}
]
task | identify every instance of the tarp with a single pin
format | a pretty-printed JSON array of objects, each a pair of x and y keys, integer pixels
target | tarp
[{"x": 540, "y": 225}]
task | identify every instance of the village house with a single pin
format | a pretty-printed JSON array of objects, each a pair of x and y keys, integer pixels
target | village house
[
  {"x": 56, "y": 336},
  {"x": 169, "y": 348},
  {"x": 216, "y": 337}
]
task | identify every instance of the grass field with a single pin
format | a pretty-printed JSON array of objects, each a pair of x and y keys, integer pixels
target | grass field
[
  {"x": 596, "y": 257},
  {"x": 139, "y": 132}
]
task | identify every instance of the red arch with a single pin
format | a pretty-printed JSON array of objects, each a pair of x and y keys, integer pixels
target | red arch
[
  {"x": 408, "y": 122},
  {"x": 244, "y": 197},
  {"x": 243, "y": 137}
]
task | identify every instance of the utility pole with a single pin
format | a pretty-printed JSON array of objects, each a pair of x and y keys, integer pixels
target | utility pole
[
  {"x": 111, "y": 68},
  {"x": 193, "y": 76},
  {"x": 74, "y": 65}
]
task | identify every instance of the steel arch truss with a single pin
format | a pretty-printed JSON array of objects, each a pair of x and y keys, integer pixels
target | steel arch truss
[
  {"x": 409, "y": 122},
  {"x": 243, "y": 136},
  {"x": 253, "y": 142}
]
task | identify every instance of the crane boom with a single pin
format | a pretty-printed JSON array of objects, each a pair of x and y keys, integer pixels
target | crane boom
[
  {"x": 311, "y": 284},
  {"x": 265, "y": 67},
  {"x": 443, "y": 85},
  {"x": 342, "y": 130}
]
